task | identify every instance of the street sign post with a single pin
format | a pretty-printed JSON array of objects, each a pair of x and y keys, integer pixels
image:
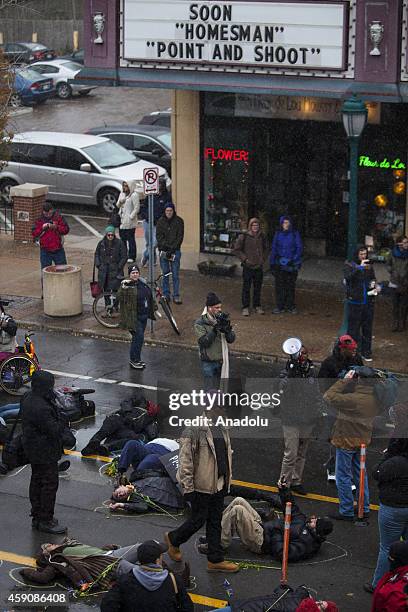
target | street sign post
[{"x": 151, "y": 188}]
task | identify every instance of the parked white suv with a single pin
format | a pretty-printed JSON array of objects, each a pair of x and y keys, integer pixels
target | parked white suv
[{"x": 76, "y": 167}]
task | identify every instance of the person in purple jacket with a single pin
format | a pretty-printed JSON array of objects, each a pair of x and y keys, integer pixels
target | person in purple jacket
[{"x": 285, "y": 260}]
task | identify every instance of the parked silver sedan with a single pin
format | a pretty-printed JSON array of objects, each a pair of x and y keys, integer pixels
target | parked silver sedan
[{"x": 61, "y": 71}]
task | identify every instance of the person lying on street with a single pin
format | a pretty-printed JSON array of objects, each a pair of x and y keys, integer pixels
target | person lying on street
[
  {"x": 154, "y": 493},
  {"x": 263, "y": 534},
  {"x": 134, "y": 421},
  {"x": 81, "y": 564},
  {"x": 145, "y": 456}
]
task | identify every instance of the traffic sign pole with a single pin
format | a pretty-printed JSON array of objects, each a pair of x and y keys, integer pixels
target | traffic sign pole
[
  {"x": 150, "y": 201},
  {"x": 150, "y": 188}
]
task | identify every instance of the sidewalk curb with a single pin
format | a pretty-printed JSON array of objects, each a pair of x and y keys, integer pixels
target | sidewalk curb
[{"x": 90, "y": 333}]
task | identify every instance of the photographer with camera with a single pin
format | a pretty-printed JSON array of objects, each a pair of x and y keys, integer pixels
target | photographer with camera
[
  {"x": 169, "y": 235},
  {"x": 214, "y": 332},
  {"x": 361, "y": 288}
]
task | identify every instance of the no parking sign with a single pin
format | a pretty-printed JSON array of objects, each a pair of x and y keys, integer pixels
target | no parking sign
[{"x": 151, "y": 180}]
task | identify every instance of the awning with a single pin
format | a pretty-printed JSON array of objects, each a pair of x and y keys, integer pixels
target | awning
[{"x": 198, "y": 80}]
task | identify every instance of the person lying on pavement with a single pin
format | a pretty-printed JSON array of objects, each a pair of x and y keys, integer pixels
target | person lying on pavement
[
  {"x": 143, "y": 456},
  {"x": 263, "y": 533},
  {"x": 155, "y": 492}
]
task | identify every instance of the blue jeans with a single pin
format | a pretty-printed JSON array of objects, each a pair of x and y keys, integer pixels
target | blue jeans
[
  {"x": 226, "y": 609},
  {"x": 392, "y": 525},
  {"x": 146, "y": 237},
  {"x": 347, "y": 473},
  {"x": 48, "y": 258},
  {"x": 9, "y": 410},
  {"x": 212, "y": 374},
  {"x": 137, "y": 339},
  {"x": 141, "y": 456},
  {"x": 171, "y": 266}
]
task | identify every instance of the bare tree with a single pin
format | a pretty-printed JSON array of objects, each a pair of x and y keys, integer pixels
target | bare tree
[{"x": 6, "y": 88}]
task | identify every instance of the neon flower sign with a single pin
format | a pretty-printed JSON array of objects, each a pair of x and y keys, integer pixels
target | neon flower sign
[{"x": 226, "y": 154}]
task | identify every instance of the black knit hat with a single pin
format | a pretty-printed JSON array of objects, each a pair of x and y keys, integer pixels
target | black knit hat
[
  {"x": 132, "y": 268},
  {"x": 150, "y": 550},
  {"x": 212, "y": 299},
  {"x": 324, "y": 526}
]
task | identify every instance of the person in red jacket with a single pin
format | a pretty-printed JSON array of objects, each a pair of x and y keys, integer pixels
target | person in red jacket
[
  {"x": 391, "y": 593},
  {"x": 48, "y": 231}
]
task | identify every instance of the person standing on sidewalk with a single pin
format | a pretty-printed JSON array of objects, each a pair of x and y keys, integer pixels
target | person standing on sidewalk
[
  {"x": 252, "y": 249},
  {"x": 285, "y": 260},
  {"x": 361, "y": 289},
  {"x": 204, "y": 473},
  {"x": 214, "y": 332},
  {"x": 170, "y": 235},
  {"x": 128, "y": 204},
  {"x": 110, "y": 259},
  {"x": 49, "y": 230},
  {"x": 355, "y": 401},
  {"x": 159, "y": 204},
  {"x": 136, "y": 307},
  {"x": 398, "y": 269},
  {"x": 42, "y": 443}
]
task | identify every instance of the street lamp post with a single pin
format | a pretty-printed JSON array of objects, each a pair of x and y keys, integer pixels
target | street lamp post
[{"x": 354, "y": 114}]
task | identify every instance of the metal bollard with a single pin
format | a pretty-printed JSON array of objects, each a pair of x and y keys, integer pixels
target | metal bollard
[{"x": 286, "y": 536}]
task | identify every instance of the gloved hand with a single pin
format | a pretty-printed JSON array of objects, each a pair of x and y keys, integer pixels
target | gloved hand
[{"x": 189, "y": 497}]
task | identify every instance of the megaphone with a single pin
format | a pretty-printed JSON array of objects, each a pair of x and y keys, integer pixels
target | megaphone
[{"x": 292, "y": 346}]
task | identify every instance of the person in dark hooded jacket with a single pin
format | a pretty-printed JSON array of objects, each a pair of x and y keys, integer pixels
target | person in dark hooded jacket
[
  {"x": 361, "y": 290},
  {"x": 264, "y": 535},
  {"x": 170, "y": 235},
  {"x": 134, "y": 421},
  {"x": 148, "y": 587},
  {"x": 285, "y": 260},
  {"x": 252, "y": 249},
  {"x": 42, "y": 428},
  {"x": 398, "y": 269}
]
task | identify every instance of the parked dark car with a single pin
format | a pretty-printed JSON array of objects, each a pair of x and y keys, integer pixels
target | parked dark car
[
  {"x": 149, "y": 142},
  {"x": 30, "y": 88},
  {"x": 75, "y": 56},
  {"x": 157, "y": 118},
  {"x": 25, "y": 53}
]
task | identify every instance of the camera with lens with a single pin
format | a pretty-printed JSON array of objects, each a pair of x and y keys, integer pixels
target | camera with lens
[{"x": 223, "y": 321}]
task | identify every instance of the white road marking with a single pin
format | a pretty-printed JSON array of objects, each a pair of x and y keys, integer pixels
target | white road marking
[
  {"x": 87, "y": 226},
  {"x": 109, "y": 381},
  {"x": 129, "y": 384},
  {"x": 8, "y": 224},
  {"x": 85, "y": 216},
  {"x": 69, "y": 375}
]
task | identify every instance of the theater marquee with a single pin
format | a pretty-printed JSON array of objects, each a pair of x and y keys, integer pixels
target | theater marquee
[{"x": 289, "y": 35}]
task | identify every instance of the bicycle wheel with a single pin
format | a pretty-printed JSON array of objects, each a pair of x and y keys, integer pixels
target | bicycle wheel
[
  {"x": 167, "y": 311},
  {"x": 105, "y": 309},
  {"x": 15, "y": 374}
]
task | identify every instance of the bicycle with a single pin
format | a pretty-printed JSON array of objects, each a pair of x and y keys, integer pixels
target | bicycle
[
  {"x": 105, "y": 307},
  {"x": 17, "y": 369}
]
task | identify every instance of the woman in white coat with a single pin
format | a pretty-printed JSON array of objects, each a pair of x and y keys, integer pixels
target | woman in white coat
[{"x": 128, "y": 204}]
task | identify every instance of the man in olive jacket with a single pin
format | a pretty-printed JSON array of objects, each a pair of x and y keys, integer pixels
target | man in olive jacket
[
  {"x": 214, "y": 332},
  {"x": 42, "y": 430},
  {"x": 355, "y": 401},
  {"x": 204, "y": 473},
  {"x": 136, "y": 307}
]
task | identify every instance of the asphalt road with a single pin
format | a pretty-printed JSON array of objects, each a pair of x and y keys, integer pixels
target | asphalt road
[{"x": 344, "y": 563}]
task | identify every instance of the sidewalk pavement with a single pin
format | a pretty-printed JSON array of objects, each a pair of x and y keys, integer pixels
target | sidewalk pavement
[{"x": 319, "y": 301}]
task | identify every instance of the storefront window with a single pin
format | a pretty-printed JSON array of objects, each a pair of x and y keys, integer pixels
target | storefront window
[
  {"x": 382, "y": 199},
  {"x": 226, "y": 161}
]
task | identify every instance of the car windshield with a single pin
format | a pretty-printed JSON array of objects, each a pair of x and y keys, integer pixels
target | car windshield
[
  {"x": 35, "y": 46},
  {"x": 29, "y": 75},
  {"x": 110, "y": 154},
  {"x": 165, "y": 139},
  {"x": 72, "y": 66}
]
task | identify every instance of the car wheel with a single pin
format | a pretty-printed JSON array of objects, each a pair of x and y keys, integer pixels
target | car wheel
[
  {"x": 5, "y": 186},
  {"x": 15, "y": 100},
  {"x": 107, "y": 199},
  {"x": 64, "y": 91}
]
